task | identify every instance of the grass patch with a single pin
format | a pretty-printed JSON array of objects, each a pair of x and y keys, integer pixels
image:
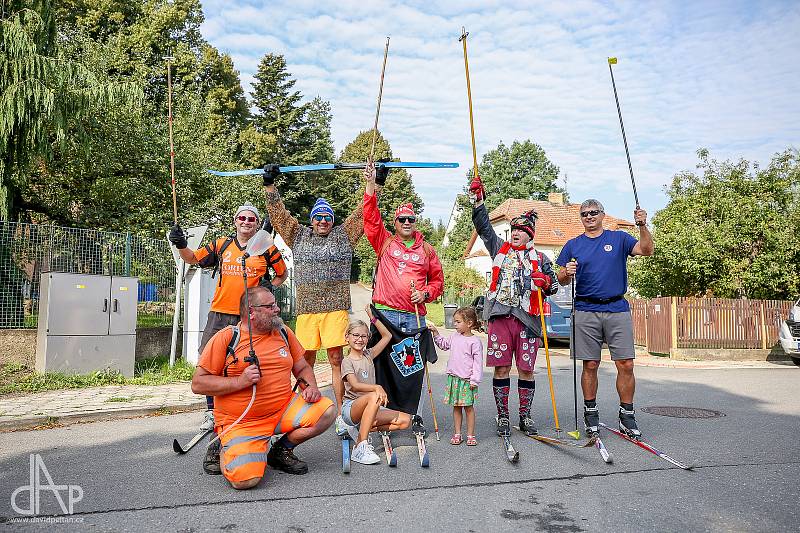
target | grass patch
[
  {"x": 16, "y": 378},
  {"x": 120, "y": 399},
  {"x": 435, "y": 313},
  {"x": 152, "y": 320}
]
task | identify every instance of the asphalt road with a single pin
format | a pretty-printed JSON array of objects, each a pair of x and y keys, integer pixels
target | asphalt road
[{"x": 746, "y": 477}]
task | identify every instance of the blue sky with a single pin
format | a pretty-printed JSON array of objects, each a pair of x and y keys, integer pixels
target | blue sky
[{"x": 720, "y": 75}]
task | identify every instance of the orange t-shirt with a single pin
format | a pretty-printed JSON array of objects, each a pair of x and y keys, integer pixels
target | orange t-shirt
[
  {"x": 274, "y": 390},
  {"x": 230, "y": 288}
]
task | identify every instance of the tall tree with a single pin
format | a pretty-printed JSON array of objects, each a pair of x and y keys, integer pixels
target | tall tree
[
  {"x": 280, "y": 110},
  {"x": 731, "y": 230},
  {"x": 42, "y": 95}
]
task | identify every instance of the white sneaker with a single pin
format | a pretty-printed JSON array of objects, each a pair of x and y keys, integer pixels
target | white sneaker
[
  {"x": 364, "y": 453},
  {"x": 340, "y": 426},
  {"x": 208, "y": 421}
]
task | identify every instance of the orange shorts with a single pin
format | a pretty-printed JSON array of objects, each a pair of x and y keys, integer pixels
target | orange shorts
[{"x": 244, "y": 447}]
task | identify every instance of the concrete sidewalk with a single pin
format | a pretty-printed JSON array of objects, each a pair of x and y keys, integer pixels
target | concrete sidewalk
[{"x": 71, "y": 406}]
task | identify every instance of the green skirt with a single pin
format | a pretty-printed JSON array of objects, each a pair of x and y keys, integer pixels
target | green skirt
[{"x": 458, "y": 392}]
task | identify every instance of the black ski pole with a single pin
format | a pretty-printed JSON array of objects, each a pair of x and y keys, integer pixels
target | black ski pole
[{"x": 613, "y": 61}]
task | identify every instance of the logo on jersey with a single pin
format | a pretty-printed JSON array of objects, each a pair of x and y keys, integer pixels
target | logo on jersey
[
  {"x": 406, "y": 356},
  {"x": 608, "y": 247}
]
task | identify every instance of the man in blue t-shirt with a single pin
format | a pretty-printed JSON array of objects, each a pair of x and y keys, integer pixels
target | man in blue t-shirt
[{"x": 598, "y": 261}]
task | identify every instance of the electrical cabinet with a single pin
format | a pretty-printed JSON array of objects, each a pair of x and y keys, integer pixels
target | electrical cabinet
[{"x": 86, "y": 323}]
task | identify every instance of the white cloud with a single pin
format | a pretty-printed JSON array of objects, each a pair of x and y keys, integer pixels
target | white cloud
[{"x": 690, "y": 75}]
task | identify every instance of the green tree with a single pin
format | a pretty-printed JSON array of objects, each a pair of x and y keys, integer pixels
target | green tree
[
  {"x": 731, "y": 230},
  {"x": 43, "y": 95}
]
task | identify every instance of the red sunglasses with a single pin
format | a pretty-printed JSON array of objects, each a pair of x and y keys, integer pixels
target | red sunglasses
[{"x": 243, "y": 218}]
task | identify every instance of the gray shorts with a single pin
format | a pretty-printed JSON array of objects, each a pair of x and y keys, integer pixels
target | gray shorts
[
  {"x": 592, "y": 329},
  {"x": 216, "y": 322}
]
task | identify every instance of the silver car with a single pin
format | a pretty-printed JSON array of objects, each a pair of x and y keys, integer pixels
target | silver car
[{"x": 790, "y": 334}]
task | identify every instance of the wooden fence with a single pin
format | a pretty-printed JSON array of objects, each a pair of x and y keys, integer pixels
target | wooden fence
[{"x": 662, "y": 324}]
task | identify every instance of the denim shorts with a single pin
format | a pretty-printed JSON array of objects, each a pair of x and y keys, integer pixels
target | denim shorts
[{"x": 402, "y": 320}]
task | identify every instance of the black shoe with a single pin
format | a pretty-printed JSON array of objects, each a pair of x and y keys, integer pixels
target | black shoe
[
  {"x": 503, "y": 426},
  {"x": 417, "y": 426},
  {"x": 211, "y": 460},
  {"x": 591, "y": 419},
  {"x": 284, "y": 459},
  {"x": 627, "y": 424},
  {"x": 527, "y": 426}
]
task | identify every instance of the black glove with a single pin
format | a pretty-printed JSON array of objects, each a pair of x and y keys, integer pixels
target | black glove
[
  {"x": 381, "y": 172},
  {"x": 271, "y": 171},
  {"x": 178, "y": 237},
  {"x": 267, "y": 225}
]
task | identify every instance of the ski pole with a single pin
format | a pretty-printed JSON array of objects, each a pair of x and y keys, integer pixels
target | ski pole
[
  {"x": 427, "y": 375},
  {"x": 613, "y": 61},
  {"x": 463, "y": 40},
  {"x": 547, "y": 357},
  {"x": 574, "y": 434},
  {"x": 380, "y": 94},
  {"x": 171, "y": 145}
]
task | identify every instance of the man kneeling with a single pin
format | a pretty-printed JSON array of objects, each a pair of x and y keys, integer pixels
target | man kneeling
[{"x": 224, "y": 372}]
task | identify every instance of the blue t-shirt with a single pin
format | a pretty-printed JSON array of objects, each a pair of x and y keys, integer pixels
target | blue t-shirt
[{"x": 602, "y": 268}]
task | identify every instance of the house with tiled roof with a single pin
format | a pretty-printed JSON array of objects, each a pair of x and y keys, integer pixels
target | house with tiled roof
[{"x": 557, "y": 223}]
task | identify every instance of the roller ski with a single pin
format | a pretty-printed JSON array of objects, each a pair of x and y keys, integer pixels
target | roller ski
[
  {"x": 504, "y": 432},
  {"x": 180, "y": 450},
  {"x": 391, "y": 455},
  {"x": 527, "y": 427},
  {"x": 345, "y": 453},
  {"x": 419, "y": 433},
  {"x": 645, "y": 446},
  {"x": 591, "y": 420}
]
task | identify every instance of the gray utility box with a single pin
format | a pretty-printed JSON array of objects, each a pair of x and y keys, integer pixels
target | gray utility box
[{"x": 86, "y": 323}]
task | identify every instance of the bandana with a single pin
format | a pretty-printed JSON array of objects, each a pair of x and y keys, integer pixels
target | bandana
[{"x": 405, "y": 210}]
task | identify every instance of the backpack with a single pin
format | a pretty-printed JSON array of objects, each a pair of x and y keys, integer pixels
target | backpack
[{"x": 265, "y": 279}]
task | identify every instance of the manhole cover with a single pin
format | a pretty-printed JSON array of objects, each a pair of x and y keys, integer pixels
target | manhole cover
[{"x": 682, "y": 412}]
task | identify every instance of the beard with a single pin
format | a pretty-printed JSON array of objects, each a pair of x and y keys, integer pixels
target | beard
[{"x": 266, "y": 325}]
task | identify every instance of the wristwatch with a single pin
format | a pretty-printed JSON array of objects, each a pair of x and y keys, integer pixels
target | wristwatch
[{"x": 427, "y": 295}]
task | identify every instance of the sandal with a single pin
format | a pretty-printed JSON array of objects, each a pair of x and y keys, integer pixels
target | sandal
[
  {"x": 456, "y": 439},
  {"x": 471, "y": 440}
]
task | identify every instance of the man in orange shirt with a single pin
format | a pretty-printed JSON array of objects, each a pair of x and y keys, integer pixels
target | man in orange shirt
[
  {"x": 275, "y": 408},
  {"x": 225, "y": 254}
]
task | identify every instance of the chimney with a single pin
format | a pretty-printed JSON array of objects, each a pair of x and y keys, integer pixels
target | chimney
[{"x": 555, "y": 198}]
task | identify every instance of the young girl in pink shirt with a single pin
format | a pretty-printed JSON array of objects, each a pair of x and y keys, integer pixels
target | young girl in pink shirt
[{"x": 464, "y": 370}]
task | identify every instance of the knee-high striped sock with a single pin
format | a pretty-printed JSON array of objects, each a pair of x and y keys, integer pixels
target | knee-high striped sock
[{"x": 501, "y": 389}]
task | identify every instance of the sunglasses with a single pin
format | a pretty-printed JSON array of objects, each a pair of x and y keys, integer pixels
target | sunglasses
[
  {"x": 592, "y": 213},
  {"x": 403, "y": 220},
  {"x": 273, "y": 305},
  {"x": 243, "y": 218},
  {"x": 320, "y": 218}
]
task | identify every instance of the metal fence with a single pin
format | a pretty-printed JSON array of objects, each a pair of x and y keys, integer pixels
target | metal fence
[
  {"x": 27, "y": 250},
  {"x": 665, "y": 323}
]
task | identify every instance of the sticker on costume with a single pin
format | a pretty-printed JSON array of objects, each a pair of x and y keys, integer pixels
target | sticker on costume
[
  {"x": 364, "y": 374},
  {"x": 494, "y": 337},
  {"x": 283, "y": 352},
  {"x": 396, "y": 253},
  {"x": 406, "y": 356},
  {"x": 523, "y": 334},
  {"x": 406, "y": 257},
  {"x": 490, "y": 352},
  {"x": 504, "y": 347},
  {"x": 608, "y": 247},
  {"x": 524, "y": 345},
  {"x": 525, "y": 357},
  {"x": 415, "y": 257},
  {"x": 495, "y": 345},
  {"x": 498, "y": 355}
]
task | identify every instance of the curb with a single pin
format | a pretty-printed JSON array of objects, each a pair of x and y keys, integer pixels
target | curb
[{"x": 47, "y": 421}]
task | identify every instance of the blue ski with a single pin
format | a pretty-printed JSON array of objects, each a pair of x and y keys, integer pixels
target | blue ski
[
  {"x": 345, "y": 454},
  {"x": 334, "y": 166}
]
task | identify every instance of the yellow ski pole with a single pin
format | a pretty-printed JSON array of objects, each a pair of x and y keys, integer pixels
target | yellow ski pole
[
  {"x": 463, "y": 40},
  {"x": 547, "y": 357},
  {"x": 427, "y": 376}
]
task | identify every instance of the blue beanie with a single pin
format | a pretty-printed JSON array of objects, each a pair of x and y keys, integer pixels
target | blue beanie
[{"x": 321, "y": 207}]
